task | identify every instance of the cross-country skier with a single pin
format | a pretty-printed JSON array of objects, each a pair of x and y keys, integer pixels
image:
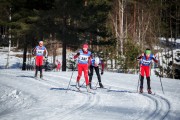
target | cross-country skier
[
  {"x": 84, "y": 58},
  {"x": 145, "y": 62},
  {"x": 95, "y": 62},
  {"x": 58, "y": 65},
  {"x": 39, "y": 52}
]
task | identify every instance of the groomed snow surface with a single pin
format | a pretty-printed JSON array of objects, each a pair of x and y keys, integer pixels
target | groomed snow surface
[{"x": 24, "y": 98}]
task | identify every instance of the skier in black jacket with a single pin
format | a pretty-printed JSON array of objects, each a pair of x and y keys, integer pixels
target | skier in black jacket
[{"x": 95, "y": 62}]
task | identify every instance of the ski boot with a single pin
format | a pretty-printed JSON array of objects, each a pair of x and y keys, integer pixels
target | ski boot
[
  {"x": 41, "y": 76},
  {"x": 90, "y": 85},
  {"x": 77, "y": 85},
  {"x": 88, "y": 88},
  {"x": 35, "y": 76},
  {"x": 149, "y": 91},
  {"x": 141, "y": 90},
  {"x": 101, "y": 85}
]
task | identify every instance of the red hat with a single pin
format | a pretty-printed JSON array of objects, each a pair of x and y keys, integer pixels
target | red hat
[{"x": 85, "y": 46}]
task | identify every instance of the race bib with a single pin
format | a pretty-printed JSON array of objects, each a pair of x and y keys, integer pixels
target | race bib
[
  {"x": 83, "y": 58},
  {"x": 146, "y": 62},
  {"x": 39, "y": 52}
]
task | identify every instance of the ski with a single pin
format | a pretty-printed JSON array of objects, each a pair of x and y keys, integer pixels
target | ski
[
  {"x": 36, "y": 78},
  {"x": 79, "y": 90},
  {"x": 43, "y": 79},
  {"x": 92, "y": 92},
  {"x": 153, "y": 93},
  {"x": 104, "y": 88}
]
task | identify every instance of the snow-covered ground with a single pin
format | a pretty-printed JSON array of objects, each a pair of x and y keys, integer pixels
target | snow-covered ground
[{"x": 24, "y": 98}]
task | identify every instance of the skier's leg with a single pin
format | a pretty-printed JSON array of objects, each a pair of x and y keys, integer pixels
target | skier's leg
[
  {"x": 141, "y": 83},
  {"x": 36, "y": 71},
  {"x": 85, "y": 69},
  {"x": 148, "y": 83},
  {"x": 79, "y": 75},
  {"x": 147, "y": 71},
  {"x": 90, "y": 75},
  {"x": 142, "y": 77},
  {"x": 99, "y": 77},
  {"x": 40, "y": 69},
  {"x": 40, "y": 66},
  {"x": 37, "y": 66},
  {"x": 79, "y": 72}
]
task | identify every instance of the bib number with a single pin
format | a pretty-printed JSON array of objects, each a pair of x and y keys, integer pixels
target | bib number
[
  {"x": 40, "y": 52},
  {"x": 84, "y": 59}
]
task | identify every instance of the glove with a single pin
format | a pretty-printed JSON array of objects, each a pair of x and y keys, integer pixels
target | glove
[
  {"x": 156, "y": 56},
  {"x": 142, "y": 54},
  {"x": 102, "y": 72}
]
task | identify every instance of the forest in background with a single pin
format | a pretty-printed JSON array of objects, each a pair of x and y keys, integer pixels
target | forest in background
[{"x": 118, "y": 30}]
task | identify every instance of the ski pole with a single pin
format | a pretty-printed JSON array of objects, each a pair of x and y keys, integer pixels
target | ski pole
[
  {"x": 69, "y": 81},
  {"x": 82, "y": 84},
  {"x": 138, "y": 83},
  {"x": 139, "y": 78},
  {"x": 161, "y": 84},
  {"x": 96, "y": 85}
]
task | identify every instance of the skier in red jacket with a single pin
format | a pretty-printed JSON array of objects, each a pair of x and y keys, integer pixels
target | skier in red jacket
[
  {"x": 145, "y": 64},
  {"x": 39, "y": 51},
  {"x": 84, "y": 58}
]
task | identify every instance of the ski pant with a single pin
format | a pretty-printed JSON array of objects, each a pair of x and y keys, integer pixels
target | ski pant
[
  {"x": 84, "y": 68},
  {"x": 58, "y": 67},
  {"x": 39, "y": 60},
  {"x": 39, "y": 63},
  {"x": 146, "y": 70},
  {"x": 92, "y": 68}
]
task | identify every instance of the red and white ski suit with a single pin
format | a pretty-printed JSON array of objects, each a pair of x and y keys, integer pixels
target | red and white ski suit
[{"x": 84, "y": 59}]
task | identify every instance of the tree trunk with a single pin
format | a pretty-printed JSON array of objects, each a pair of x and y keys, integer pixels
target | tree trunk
[
  {"x": 17, "y": 44},
  {"x": 24, "y": 54},
  {"x": 64, "y": 56}
]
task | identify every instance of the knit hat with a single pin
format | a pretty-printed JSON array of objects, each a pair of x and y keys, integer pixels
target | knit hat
[{"x": 85, "y": 46}]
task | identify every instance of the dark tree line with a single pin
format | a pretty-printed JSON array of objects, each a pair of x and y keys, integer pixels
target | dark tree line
[{"x": 109, "y": 26}]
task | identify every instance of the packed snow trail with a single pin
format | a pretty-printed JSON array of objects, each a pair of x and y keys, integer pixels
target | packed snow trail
[{"x": 23, "y": 97}]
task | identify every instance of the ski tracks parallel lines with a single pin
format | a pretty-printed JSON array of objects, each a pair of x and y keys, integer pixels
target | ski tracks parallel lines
[
  {"x": 162, "y": 107},
  {"x": 160, "y": 112},
  {"x": 91, "y": 102}
]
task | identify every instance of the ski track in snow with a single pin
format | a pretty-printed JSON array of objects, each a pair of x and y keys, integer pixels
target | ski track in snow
[
  {"x": 159, "y": 107},
  {"x": 90, "y": 101}
]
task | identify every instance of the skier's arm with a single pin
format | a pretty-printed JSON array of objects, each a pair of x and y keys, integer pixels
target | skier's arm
[
  {"x": 138, "y": 58},
  {"x": 155, "y": 59},
  {"x": 45, "y": 53},
  {"x": 89, "y": 61},
  {"x": 102, "y": 64},
  {"x": 76, "y": 55},
  {"x": 34, "y": 51}
]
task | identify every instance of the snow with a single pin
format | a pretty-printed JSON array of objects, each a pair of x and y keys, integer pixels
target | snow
[{"x": 24, "y": 98}]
